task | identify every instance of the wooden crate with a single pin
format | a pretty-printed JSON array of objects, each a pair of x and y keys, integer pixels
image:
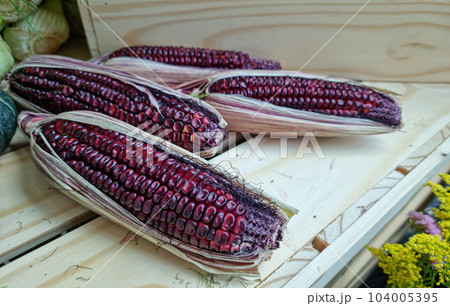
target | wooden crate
[
  {"x": 400, "y": 40},
  {"x": 345, "y": 198}
]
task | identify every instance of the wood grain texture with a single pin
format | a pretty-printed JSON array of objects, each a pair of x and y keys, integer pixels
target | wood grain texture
[
  {"x": 89, "y": 29},
  {"x": 375, "y": 194},
  {"x": 31, "y": 211},
  {"x": 351, "y": 241},
  {"x": 121, "y": 259},
  {"x": 341, "y": 227},
  {"x": 321, "y": 188},
  {"x": 364, "y": 263},
  {"x": 17, "y": 142},
  {"x": 402, "y": 40},
  {"x": 290, "y": 268}
]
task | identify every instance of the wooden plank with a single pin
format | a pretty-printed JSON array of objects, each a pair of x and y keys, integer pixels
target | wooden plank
[
  {"x": 338, "y": 226},
  {"x": 31, "y": 210},
  {"x": 401, "y": 40},
  {"x": 364, "y": 263},
  {"x": 321, "y": 188},
  {"x": 88, "y": 25},
  {"x": 17, "y": 142},
  {"x": 376, "y": 216},
  {"x": 351, "y": 215},
  {"x": 74, "y": 259},
  {"x": 291, "y": 267}
]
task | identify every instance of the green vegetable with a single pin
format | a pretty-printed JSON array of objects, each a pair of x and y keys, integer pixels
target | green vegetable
[
  {"x": 14, "y": 10},
  {"x": 42, "y": 32},
  {"x": 8, "y": 120},
  {"x": 6, "y": 59}
]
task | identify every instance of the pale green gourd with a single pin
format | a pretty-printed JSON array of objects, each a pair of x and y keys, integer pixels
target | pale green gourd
[
  {"x": 41, "y": 33},
  {"x": 6, "y": 59},
  {"x": 13, "y": 10}
]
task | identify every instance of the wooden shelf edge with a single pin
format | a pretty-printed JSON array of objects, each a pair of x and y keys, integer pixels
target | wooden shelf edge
[{"x": 339, "y": 253}]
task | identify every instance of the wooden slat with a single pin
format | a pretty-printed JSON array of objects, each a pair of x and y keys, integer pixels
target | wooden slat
[
  {"x": 401, "y": 40},
  {"x": 322, "y": 189},
  {"x": 375, "y": 215},
  {"x": 89, "y": 29},
  {"x": 31, "y": 211},
  {"x": 17, "y": 142},
  {"x": 72, "y": 261},
  {"x": 364, "y": 263},
  {"x": 340, "y": 226}
]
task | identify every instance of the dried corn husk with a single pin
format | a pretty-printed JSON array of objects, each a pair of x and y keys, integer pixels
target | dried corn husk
[
  {"x": 55, "y": 61},
  {"x": 41, "y": 33},
  {"x": 69, "y": 182},
  {"x": 166, "y": 74},
  {"x": 179, "y": 64},
  {"x": 245, "y": 114},
  {"x": 62, "y": 62}
]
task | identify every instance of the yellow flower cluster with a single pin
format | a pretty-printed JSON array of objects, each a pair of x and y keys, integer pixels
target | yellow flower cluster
[
  {"x": 424, "y": 260},
  {"x": 443, "y": 212},
  {"x": 400, "y": 264},
  {"x": 417, "y": 263},
  {"x": 434, "y": 250}
]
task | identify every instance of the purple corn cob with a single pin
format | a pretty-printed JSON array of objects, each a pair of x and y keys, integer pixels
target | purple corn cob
[
  {"x": 197, "y": 57},
  {"x": 179, "y": 198},
  {"x": 59, "y": 90},
  {"x": 314, "y": 95}
]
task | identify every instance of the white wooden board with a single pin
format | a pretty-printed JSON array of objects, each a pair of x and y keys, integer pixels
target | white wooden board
[
  {"x": 321, "y": 188},
  {"x": 401, "y": 40}
]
